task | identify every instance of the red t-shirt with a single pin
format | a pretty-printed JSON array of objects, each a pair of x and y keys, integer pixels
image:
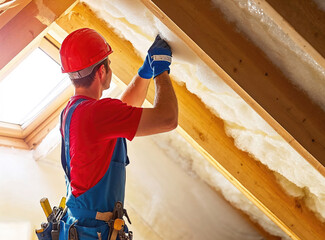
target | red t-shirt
[{"x": 94, "y": 128}]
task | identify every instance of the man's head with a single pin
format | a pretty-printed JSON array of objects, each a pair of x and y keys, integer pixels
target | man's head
[{"x": 84, "y": 53}]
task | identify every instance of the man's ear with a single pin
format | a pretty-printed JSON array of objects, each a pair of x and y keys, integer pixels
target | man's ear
[{"x": 101, "y": 71}]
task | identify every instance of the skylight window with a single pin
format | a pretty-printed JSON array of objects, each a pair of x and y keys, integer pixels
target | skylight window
[{"x": 30, "y": 87}]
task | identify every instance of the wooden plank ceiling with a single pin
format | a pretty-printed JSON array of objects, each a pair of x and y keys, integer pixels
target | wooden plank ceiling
[{"x": 280, "y": 101}]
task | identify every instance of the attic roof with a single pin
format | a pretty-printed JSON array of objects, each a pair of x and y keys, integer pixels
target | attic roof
[{"x": 254, "y": 179}]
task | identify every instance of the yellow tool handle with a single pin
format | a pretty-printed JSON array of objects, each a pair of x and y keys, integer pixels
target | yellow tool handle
[
  {"x": 62, "y": 203},
  {"x": 46, "y": 206}
]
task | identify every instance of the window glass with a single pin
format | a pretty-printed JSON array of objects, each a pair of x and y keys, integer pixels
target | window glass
[{"x": 32, "y": 85}]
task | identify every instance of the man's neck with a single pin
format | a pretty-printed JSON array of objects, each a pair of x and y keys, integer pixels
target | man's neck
[{"x": 88, "y": 92}]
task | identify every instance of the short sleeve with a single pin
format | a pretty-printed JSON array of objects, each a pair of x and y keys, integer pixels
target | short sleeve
[{"x": 112, "y": 118}]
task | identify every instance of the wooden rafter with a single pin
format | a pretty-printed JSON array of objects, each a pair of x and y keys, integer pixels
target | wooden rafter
[
  {"x": 13, "y": 142},
  {"x": 207, "y": 135},
  {"x": 27, "y": 27},
  {"x": 11, "y": 10},
  {"x": 306, "y": 18},
  {"x": 245, "y": 68},
  {"x": 299, "y": 19}
]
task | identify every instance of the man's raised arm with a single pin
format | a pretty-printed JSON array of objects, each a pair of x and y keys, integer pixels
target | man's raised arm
[{"x": 163, "y": 116}]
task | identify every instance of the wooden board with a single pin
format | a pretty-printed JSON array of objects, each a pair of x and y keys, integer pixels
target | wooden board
[
  {"x": 13, "y": 142},
  {"x": 14, "y": 8},
  {"x": 10, "y": 130},
  {"x": 206, "y": 133},
  {"x": 29, "y": 26},
  {"x": 306, "y": 18}
]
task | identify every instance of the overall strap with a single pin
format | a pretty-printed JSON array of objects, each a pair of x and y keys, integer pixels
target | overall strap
[{"x": 65, "y": 146}]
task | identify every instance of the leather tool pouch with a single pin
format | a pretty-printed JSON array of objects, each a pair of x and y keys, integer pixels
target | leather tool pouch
[
  {"x": 46, "y": 233},
  {"x": 73, "y": 234}
]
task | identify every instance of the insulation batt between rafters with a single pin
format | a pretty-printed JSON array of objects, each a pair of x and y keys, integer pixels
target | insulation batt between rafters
[{"x": 252, "y": 134}]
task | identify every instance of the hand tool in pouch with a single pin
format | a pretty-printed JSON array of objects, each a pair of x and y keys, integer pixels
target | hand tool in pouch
[{"x": 117, "y": 224}]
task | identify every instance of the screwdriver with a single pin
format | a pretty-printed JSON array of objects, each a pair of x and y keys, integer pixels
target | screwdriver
[{"x": 47, "y": 209}]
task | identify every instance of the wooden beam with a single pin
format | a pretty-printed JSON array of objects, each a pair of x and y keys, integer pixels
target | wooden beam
[
  {"x": 26, "y": 29},
  {"x": 10, "y": 130},
  {"x": 13, "y": 142},
  {"x": 206, "y": 133},
  {"x": 51, "y": 47},
  {"x": 247, "y": 70},
  {"x": 14, "y": 8},
  {"x": 296, "y": 24},
  {"x": 306, "y": 18}
]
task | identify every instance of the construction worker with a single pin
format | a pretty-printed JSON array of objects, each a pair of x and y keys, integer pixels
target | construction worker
[{"x": 94, "y": 130}]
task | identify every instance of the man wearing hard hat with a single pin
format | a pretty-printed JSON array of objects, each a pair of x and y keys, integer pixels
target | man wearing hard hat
[{"x": 94, "y": 131}]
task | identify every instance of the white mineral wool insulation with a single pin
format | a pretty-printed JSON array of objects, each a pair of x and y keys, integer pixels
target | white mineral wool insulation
[{"x": 134, "y": 22}]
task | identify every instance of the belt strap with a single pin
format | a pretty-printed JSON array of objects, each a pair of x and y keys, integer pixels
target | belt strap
[
  {"x": 85, "y": 213},
  {"x": 104, "y": 216}
]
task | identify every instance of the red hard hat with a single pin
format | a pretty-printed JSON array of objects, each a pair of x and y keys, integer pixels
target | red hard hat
[{"x": 81, "y": 49}]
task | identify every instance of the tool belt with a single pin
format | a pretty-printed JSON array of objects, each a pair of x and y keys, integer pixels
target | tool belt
[
  {"x": 50, "y": 230},
  {"x": 57, "y": 229}
]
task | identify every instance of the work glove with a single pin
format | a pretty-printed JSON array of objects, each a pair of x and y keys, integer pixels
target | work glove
[
  {"x": 160, "y": 56},
  {"x": 145, "y": 70}
]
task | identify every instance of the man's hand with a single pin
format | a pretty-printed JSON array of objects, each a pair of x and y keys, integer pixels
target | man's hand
[{"x": 160, "y": 56}]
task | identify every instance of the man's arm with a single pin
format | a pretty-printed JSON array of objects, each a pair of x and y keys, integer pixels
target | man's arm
[
  {"x": 163, "y": 116},
  {"x": 136, "y": 92}
]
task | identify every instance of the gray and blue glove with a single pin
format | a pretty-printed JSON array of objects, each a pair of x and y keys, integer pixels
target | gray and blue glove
[
  {"x": 160, "y": 56},
  {"x": 145, "y": 70}
]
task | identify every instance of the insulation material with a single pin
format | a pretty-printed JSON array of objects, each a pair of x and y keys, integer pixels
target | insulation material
[
  {"x": 43, "y": 11},
  {"x": 135, "y": 23}
]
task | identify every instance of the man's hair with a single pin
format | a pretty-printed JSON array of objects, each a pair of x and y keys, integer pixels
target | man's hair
[{"x": 88, "y": 80}]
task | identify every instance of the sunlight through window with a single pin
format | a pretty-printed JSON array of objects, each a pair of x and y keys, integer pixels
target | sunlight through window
[{"x": 30, "y": 87}]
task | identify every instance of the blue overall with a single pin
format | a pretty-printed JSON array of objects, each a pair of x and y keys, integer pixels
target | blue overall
[{"x": 99, "y": 198}]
